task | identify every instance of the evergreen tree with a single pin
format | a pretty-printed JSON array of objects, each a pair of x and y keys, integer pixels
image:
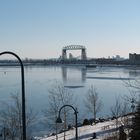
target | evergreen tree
[{"x": 135, "y": 133}]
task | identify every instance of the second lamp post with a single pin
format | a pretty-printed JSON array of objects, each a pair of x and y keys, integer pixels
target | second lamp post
[{"x": 59, "y": 120}]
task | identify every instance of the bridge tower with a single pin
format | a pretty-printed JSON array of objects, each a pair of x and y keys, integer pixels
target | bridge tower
[
  {"x": 64, "y": 54},
  {"x": 83, "y": 54}
]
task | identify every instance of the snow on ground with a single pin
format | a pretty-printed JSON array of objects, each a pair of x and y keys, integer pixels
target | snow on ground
[
  {"x": 84, "y": 132},
  {"x": 102, "y": 130}
]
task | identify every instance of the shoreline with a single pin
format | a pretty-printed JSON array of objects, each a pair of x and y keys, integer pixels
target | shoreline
[{"x": 88, "y": 66}]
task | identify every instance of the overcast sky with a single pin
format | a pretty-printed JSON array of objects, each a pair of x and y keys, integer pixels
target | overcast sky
[{"x": 40, "y": 28}]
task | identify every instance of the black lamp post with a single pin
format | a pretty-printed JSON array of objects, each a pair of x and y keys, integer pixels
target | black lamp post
[
  {"x": 23, "y": 93},
  {"x": 59, "y": 120}
]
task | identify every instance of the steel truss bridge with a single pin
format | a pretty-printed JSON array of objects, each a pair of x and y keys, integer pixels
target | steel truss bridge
[{"x": 74, "y": 47}]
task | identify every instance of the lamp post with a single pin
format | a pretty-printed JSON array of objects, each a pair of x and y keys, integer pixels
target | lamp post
[
  {"x": 23, "y": 93},
  {"x": 59, "y": 120}
]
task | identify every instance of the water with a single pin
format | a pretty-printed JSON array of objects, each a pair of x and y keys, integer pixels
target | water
[{"x": 38, "y": 79}]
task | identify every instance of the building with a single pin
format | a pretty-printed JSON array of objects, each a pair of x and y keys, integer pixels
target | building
[{"x": 134, "y": 57}]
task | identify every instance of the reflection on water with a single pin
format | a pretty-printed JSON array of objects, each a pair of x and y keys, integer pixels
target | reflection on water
[
  {"x": 82, "y": 70},
  {"x": 38, "y": 80},
  {"x": 134, "y": 73},
  {"x": 75, "y": 86}
]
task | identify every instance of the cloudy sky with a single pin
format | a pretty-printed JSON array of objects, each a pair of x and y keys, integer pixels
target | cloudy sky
[{"x": 40, "y": 28}]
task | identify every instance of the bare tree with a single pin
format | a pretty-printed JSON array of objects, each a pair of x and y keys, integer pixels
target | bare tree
[
  {"x": 133, "y": 84},
  {"x": 11, "y": 118},
  {"x": 120, "y": 111},
  {"x": 58, "y": 96},
  {"x": 92, "y": 102},
  {"x": 116, "y": 110},
  {"x": 134, "y": 90},
  {"x": 125, "y": 117}
]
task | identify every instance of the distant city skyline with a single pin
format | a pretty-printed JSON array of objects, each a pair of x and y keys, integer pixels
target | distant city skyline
[{"x": 41, "y": 28}]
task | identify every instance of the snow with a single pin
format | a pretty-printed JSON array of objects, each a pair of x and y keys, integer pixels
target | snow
[
  {"x": 101, "y": 129},
  {"x": 84, "y": 132}
]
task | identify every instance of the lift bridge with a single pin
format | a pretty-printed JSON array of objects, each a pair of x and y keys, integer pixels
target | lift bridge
[{"x": 74, "y": 47}]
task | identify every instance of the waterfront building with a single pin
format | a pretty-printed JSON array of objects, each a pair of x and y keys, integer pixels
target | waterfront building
[{"x": 134, "y": 57}]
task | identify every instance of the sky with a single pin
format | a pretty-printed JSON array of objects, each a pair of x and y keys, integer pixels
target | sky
[{"x": 41, "y": 28}]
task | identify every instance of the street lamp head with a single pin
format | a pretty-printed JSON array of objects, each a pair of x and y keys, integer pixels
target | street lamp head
[{"x": 59, "y": 120}]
